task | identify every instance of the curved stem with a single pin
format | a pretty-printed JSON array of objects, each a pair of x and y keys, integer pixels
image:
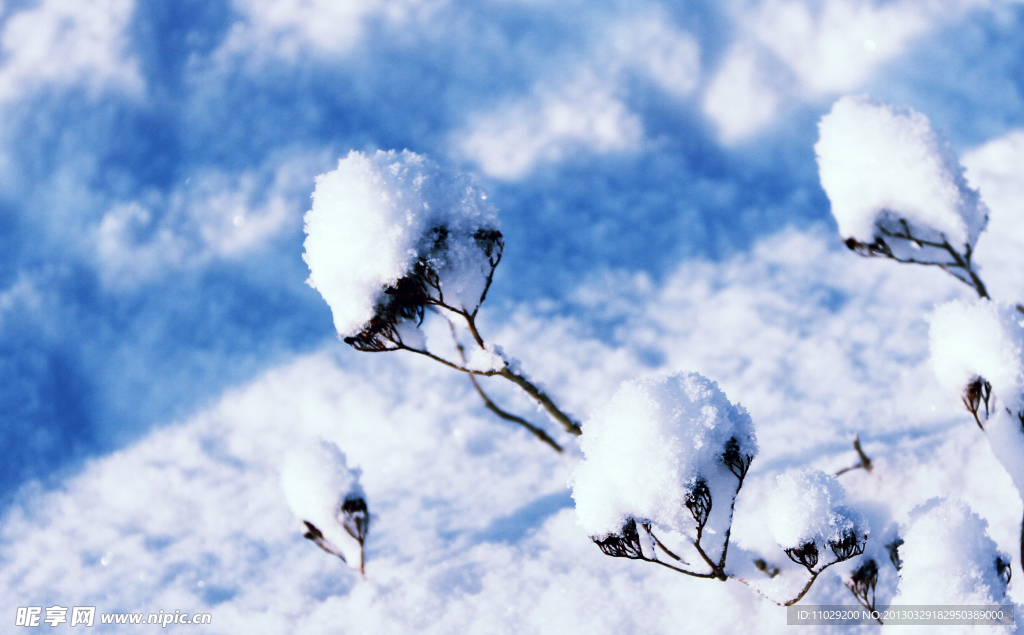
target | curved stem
[
  {"x": 690, "y": 573},
  {"x": 807, "y": 587},
  {"x": 420, "y": 351},
  {"x": 756, "y": 590},
  {"x": 667, "y": 550},
  {"x": 540, "y": 434},
  {"x": 537, "y": 432},
  {"x": 570, "y": 426},
  {"x": 959, "y": 262},
  {"x": 716, "y": 571}
]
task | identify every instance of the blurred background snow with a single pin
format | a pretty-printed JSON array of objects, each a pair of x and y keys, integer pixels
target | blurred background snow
[{"x": 653, "y": 165}]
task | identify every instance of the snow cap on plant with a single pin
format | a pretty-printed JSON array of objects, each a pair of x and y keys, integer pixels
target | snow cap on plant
[
  {"x": 392, "y": 232},
  {"x": 976, "y": 350},
  {"x": 886, "y": 171},
  {"x": 948, "y": 558},
  {"x": 808, "y": 519},
  {"x": 978, "y": 340},
  {"x": 325, "y": 494},
  {"x": 653, "y": 446}
]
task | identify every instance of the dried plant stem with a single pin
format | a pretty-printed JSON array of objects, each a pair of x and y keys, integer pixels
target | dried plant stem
[
  {"x": 528, "y": 387},
  {"x": 570, "y": 426},
  {"x": 667, "y": 550},
  {"x": 537, "y": 432},
  {"x": 864, "y": 463},
  {"x": 960, "y": 268},
  {"x": 807, "y": 587}
]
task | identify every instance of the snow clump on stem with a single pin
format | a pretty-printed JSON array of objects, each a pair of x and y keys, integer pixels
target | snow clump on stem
[
  {"x": 979, "y": 340},
  {"x": 390, "y": 234},
  {"x": 897, "y": 188},
  {"x": 807, "y": 517},
  {"x": 325, "y": 494},
  {"x": 948, "y": 558},
  {"x": 668, "y": 451},
  {"x": 976, "y": 350},
  {"x": 878, "y": 161}
]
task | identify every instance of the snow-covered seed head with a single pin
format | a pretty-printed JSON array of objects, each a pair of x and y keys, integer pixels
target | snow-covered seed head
[
  {"x": 391, "y": 234},
  {"x": 355, "y": 517},
  {"x": 736, "y": 460},
  {"x": 949, "y": 558},
  {"x": 851, "y": 544},
  {"x": 978, "y": 392},
  {"x": 698, "y": 501},
  {"x": 894, "y": 552},
  {"x": 806, "y": 554},
  {"x": 325, "y": 494},
  {"x": 976, "y": 351},
  {"x": 660, "y": 450},
  {"x": 1003, "y": 569},
  {"x": 808, "y": 519},
  {"x": 628, "y": 543},
  {"x": 864, "y": 578},
  {"x": 897, "y": 188}
]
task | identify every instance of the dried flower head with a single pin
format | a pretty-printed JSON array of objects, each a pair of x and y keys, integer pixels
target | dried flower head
[{"x": 392, "y": 234}]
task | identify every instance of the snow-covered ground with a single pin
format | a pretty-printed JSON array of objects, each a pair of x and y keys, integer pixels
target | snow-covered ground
[{"x": 162, "y": 360}]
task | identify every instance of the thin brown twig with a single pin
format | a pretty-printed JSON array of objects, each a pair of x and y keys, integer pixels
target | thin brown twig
[
  {"x": 493, "y": 407},
  {"x": 880, "y": 248},
  {"x": 667, "y": 550},
  {"x": 537, "y": 432},
  {"x": 864, "y": 463}
]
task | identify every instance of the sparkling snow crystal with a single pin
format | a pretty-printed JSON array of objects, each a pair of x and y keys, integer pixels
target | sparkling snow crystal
[
  {"x": 325, "y": 494},
  {"x": 887, "y": 173},
  {"x": 806, "y": 508},
  {"x": 384, "y": 228},
  {"x": 648, "y": 448}
]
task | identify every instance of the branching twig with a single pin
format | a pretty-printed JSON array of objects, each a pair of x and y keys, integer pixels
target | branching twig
[
  {"x": 570, "y": 426},
  {"x": 879, "y": 247},
  {"x": 406, "y": 301},
  {"x": 864, "y": 463},
  {"x": 537, "y": 432}
]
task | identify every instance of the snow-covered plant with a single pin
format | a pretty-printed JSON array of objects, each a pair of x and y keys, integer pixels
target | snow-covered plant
[
  {"x": 897, "y": 188},
  {"x": 807, "y": 517},
  {"x": 669, "y": 455},
  {"x": 392, "y": 236},
  {"x": 324, "y": 493},
  {"x": 976, "y": 352},
  {"x": 948, "y": 558}
]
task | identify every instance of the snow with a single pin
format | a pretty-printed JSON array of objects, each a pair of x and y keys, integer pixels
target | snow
[
  {"x": 375, "y": 216},
  {"x": 472, "y": 525},
  {"x": 485, "y": 359},
  {"x": 880, "y": 164},
  {"x": 162, "y": 354},
  {"x": 807, "y": 507},
  {"x": 978, "y": 338},
  {"x": 983, "y": 339},
  {"x": 316, "y": 483},
  {"x": 649, "y": 446},
  {"x": 949, "y": 559}
]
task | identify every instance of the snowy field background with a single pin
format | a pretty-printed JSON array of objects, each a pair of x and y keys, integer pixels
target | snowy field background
[{"x": 654, "y": 169}]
